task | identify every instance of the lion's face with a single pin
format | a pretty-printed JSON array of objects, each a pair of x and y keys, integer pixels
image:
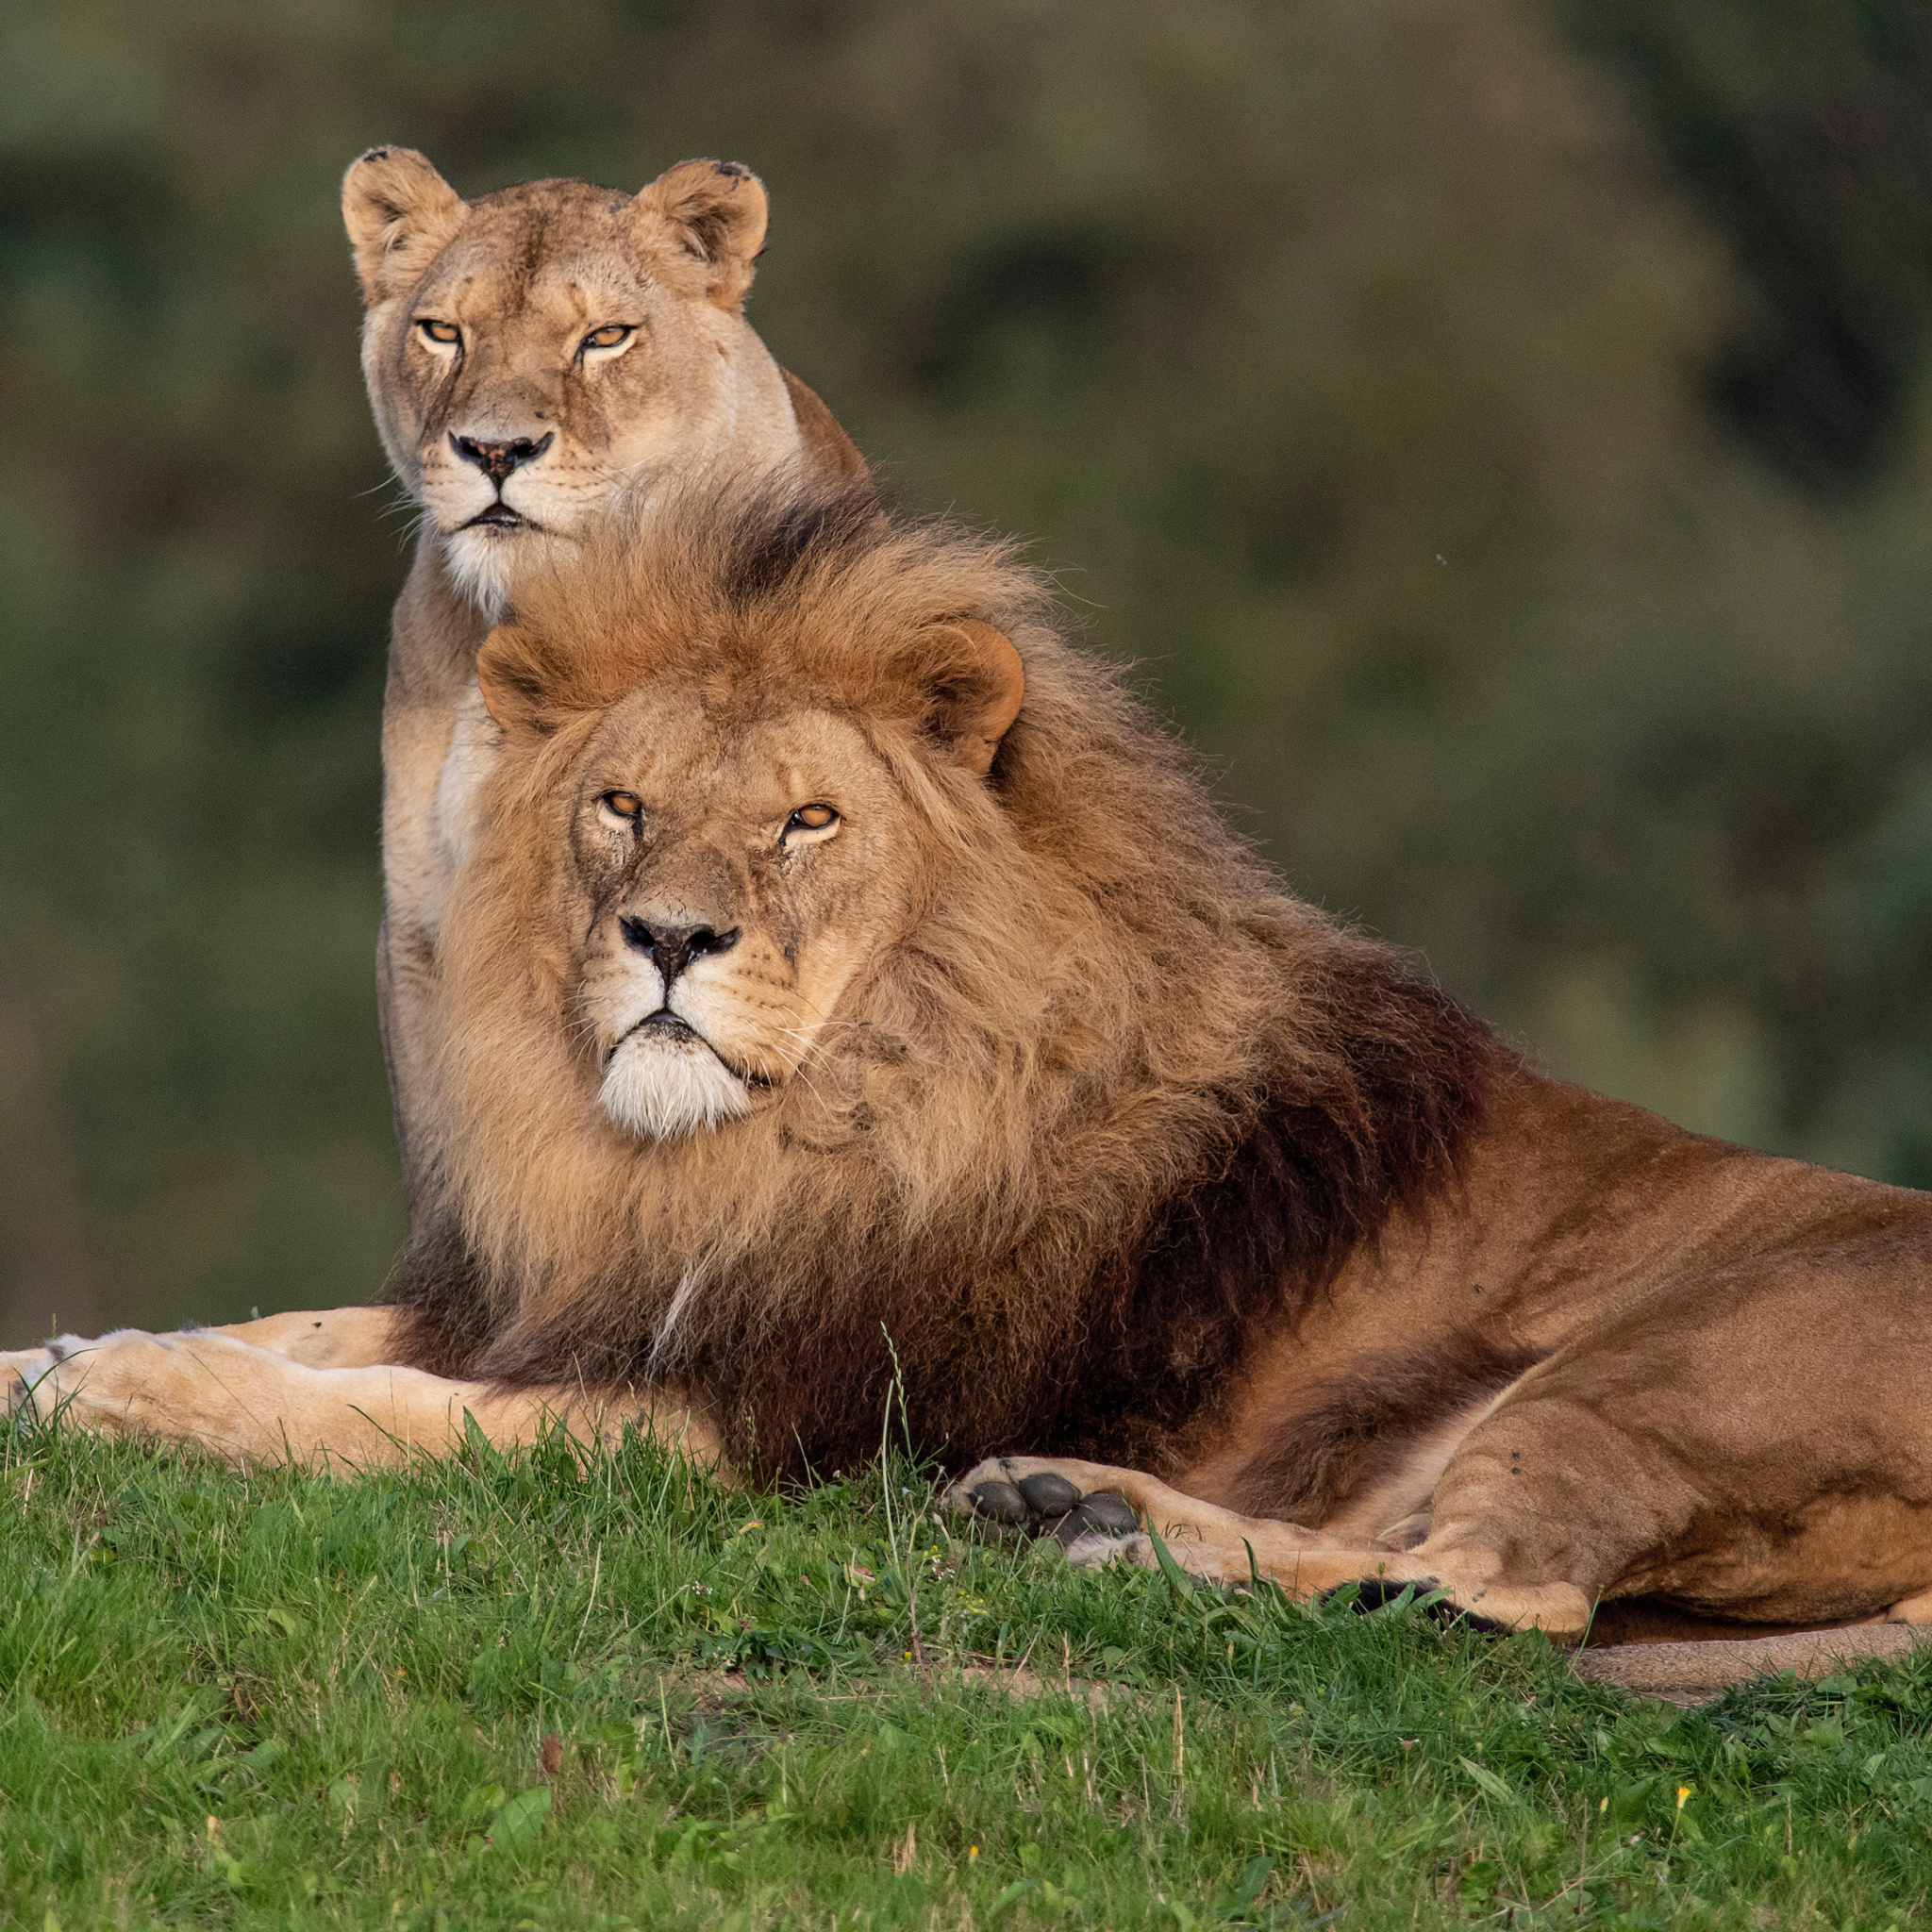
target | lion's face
[
  {"x": 729, "y": 881},
  {"x": 532, "y": 351},
  {"x": 725, "y": 827}
]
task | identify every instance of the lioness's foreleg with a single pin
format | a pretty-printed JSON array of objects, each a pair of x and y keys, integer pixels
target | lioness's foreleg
[{"x": 251, "y": 1405}]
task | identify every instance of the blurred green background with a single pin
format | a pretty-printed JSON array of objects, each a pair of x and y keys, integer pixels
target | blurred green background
[{"x": 1500, "y": 430}]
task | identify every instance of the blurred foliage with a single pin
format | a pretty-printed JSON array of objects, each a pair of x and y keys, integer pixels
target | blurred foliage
[{"x": 1499, "y": 430}]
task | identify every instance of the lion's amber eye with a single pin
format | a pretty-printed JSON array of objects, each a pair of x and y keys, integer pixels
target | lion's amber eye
[
  {"x": 626, "y": 805},
  {"x": 444, "y": 333},
  {"x": 811, "y": 818},
  {"x": 608, "y": 337}
]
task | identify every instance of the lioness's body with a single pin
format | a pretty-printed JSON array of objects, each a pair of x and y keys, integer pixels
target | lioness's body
[
  {"x": 524, "y": 279},
  {"x": 802, "y": 983}
]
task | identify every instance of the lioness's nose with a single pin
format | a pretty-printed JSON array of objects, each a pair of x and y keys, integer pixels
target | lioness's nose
[
  {"x": 498, "y": 460},
  {"x": 672, "y": 948}
]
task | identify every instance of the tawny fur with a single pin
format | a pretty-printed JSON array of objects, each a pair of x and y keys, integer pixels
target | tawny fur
[
  {"x": 524, "y": 276},
  {"x": 1058, "y": 1106},
  {"x": 1106, "y": 1098}
]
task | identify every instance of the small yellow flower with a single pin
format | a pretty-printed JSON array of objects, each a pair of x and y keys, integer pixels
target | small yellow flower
[
  {"x": 1683, "y": 1793},
  {"x": 972, "y": 1853}
]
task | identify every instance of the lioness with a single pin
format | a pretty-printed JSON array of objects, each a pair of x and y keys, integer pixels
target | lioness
[
  {"x": 848, "y": 978},
  {"x": 526, "y": 353}
]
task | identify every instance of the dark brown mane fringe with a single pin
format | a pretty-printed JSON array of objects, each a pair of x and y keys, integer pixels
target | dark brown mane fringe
[
  {"x": 1161, "y": 1330},
  {"x": 1273, "y": 1212},
  {"x": 766, "y": 546},
  {"x": 1071, "y": 1211},
  {"x": 1267, "y": 1225},
  {"x": 443, "y": 1297}
]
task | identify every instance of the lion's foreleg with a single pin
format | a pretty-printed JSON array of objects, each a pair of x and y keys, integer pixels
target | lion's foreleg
[
  {"x": 1178, "y": 1519},
  {"x": 1033, "y": 1493},
  {"x": 354, "y": 1338},
  {"x": 1224, "y": 1547},
  {"x": 252, "y": 1405}
]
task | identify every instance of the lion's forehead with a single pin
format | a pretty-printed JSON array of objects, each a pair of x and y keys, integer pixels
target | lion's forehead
[{"x": 719, "y": 760}]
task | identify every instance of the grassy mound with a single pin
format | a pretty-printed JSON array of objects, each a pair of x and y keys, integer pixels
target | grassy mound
[{"x": 503, "y": 1691}]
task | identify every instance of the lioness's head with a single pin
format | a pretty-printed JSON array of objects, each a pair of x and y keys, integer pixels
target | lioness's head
[
  {"x": 532, "y": 350},
  {"x": 743, "y": 813}
]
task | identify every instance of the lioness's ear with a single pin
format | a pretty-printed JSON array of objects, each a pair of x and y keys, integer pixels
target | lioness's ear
[
  {"x": 974, "y": 682},
  {"x": 715, "y": 210},
  {"x": 401, "y": 214}
]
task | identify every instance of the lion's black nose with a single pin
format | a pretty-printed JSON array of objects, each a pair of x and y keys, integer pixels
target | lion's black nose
[
  {"x": 498, "y": 460},
  {"x": 672, "y": 948}
]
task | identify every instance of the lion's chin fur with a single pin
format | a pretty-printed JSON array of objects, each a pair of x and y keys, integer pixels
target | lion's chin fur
[{"x": 661, "y": 1088}]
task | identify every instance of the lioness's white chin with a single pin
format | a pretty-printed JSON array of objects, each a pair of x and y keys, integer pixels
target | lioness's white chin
[
  {"x": 659, "y": 1088},
  {"x": 484, "y": 558}
]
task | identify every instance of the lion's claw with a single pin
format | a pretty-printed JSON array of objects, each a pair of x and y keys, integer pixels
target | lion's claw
[{"x": 1373, "y": 1592}]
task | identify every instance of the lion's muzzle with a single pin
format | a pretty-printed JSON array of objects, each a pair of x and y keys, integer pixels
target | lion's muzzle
[
  {"x": 664, "y": 1073},
  {"x": 672, "y": 948}
]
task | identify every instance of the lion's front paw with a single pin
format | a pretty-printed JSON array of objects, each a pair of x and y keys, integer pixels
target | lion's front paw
[
  {"x": 67, "y": 1380},
  {"x": 999, "y": 1496},
  {"x": 22, "y": 1372}
]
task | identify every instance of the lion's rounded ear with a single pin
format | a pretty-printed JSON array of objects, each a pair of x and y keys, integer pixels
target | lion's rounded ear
[
  {"x": 401, "y": 214},
  {"x": 974, "y": 683},
  {"x": 716, "y": 211},
  {"x": 513, "y": 678}
]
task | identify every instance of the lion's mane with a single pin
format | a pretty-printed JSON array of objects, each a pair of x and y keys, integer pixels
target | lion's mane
[{"x": 1118, "y": 1098}]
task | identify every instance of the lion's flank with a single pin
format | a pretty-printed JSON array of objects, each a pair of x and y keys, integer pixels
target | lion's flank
[{"x": 1115, "y": 1100}]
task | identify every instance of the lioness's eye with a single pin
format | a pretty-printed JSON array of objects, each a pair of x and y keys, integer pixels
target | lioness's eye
[
  {"x": 444, "y": 333},
  {"x": 626, "y": 805},
  {"x": 608, "y": 337},
  {"x": 811, "y": 818}
]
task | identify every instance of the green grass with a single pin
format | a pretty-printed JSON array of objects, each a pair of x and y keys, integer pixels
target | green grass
[{"x": 277, "y": 1699}]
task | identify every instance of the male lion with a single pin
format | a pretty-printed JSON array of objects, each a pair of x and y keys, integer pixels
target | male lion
[
  {"x": 527, "y": 352},
  {"x": 849, "y": 979}
]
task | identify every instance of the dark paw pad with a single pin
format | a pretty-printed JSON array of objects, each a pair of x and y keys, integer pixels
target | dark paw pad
[
  {"x": 1048, "y": 1495},
  {"x": 1109, "y": 1514},
  {"x": 1000, "y": 1503},
  {"x": 1049, "y": 1504}
]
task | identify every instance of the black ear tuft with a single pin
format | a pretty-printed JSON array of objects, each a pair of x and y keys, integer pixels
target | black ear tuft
[{"x": 400, "y": 214}]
